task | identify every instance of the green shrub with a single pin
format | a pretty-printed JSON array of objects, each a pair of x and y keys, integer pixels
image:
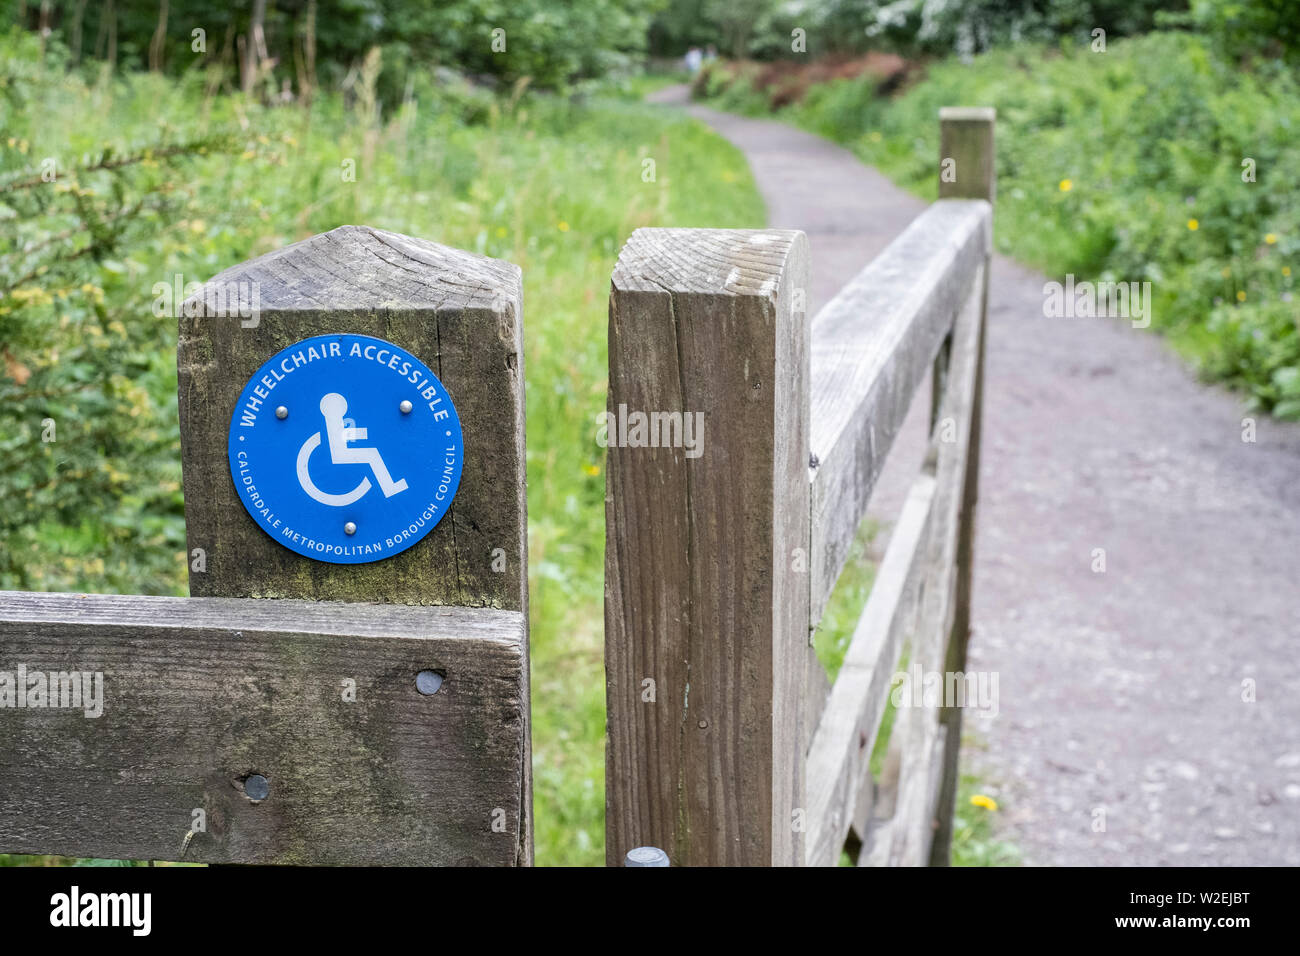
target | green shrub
[{"x": 1127, "y": 165}]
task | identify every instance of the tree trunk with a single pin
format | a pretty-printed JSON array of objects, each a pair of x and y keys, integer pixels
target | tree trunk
[
  {"x": 158, "y": 44},
  {"x": 253, "y": 43}
]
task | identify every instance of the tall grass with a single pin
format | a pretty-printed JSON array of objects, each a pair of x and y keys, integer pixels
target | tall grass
[{"x": 550, "y": 184}]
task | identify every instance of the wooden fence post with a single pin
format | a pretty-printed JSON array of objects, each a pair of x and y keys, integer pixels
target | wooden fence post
[
  {"x": 300, "y": 710},
  {"x": 965, "y": 138},
  {"x": 706, "y": 583},
  {"x": 432, "y": 300}
]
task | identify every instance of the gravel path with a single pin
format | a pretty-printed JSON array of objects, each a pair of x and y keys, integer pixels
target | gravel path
[{"x": 1120, "y": 691}]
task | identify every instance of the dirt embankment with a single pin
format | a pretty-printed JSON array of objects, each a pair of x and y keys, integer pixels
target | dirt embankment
[{"x": 787, "y": 81}]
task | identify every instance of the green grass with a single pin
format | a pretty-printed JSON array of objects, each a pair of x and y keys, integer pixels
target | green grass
[
  {"x": 835, "y": 630},
  {"x": 1124, "y": 166},
  {"x": 551, "y": 185},
  {"x": 975, "y": 841}
]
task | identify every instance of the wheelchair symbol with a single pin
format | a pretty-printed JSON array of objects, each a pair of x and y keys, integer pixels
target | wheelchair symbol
[{"x": 334, "y": 406}]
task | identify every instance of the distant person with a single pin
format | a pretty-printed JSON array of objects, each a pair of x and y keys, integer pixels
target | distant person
[
  {"x": 694, "y": 57},
  {"x": 710, "y": 53}
]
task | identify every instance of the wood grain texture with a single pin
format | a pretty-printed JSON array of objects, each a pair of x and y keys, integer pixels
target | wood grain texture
[
  {"x": 201, "y": 692},
  {"x": 840, "y": 755},
  {"x": 966, "y": 137},
  {"x": 904, "y": 838},
  {"x": 462, "y": 315},
  {"x": 966, "y": 133},
  {"x": 702, "y": 594},
  {"x": 919, "y": 737},
  {"x": 459, "y": 313},
  {"x": 871, "y": 348}
]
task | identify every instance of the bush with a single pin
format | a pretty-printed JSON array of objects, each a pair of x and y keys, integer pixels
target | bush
[
  {"x": 1128, "y": 165},
  {"x": 86, "y": 392}
]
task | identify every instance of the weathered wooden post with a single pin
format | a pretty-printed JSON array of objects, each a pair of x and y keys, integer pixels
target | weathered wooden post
[
  {"x": 706, "y": 584},
  {"x": 350, "y": 684},
  {"x": 965, "y": 137}
]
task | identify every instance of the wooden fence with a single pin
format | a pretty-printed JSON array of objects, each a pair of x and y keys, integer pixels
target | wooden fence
[
  {"x": 297, "y": 711},
  {"x": 731, "y": 506}
]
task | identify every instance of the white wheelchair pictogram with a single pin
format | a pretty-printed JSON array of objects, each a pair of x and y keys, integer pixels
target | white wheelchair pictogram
[{"x": 334, "y": 406}]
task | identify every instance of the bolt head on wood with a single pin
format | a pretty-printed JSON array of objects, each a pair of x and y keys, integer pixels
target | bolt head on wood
[
  {"x": 646, "y": 856},
  {"x": 257, "y": 787},
  {"x": 428, "y": 682}
]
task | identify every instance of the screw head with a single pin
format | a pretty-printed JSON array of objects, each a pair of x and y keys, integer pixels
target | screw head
[
  {"x": 257, "y": 787},
  {"x": 282, "y": 412},
  {"x": 406, "y": 406},
  {"x": 350, "y": 528},
  {"x": 428, "y": 682}
]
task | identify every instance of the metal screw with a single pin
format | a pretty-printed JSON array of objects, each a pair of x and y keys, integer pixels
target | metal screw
[
  {"x": 257, "y": 787},
  {"x": 428, "y": 682},
  {"x": 406, "y": 407},
  {"x": 350, "y": 528},
  {"x": 282, "y": 412},
  {"x": 646, "y": 856}
]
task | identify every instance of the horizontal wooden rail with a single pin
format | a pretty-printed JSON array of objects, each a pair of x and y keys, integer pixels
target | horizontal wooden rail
[
  {"x": 871, "y": 347},
  {"x": 321, "y": 699},
  {"x": 839, "y": 790},
  {"x": 911, "y": 598}
]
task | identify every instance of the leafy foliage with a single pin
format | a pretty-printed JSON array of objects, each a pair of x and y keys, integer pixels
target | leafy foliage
[
  {"x": 762, "y": 29},
  {"x": 326, "y": 40},
  {"x": 1248, "y": 28},
  {"x": 1130, "y": 165},
  {"x": 76, "y": 365}
]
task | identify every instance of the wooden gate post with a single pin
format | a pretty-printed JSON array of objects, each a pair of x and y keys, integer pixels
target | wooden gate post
[
  {"x": 706, "y": 548},
  {"x": 966, "y": 138},
  {"x": 299, "y": 711}
]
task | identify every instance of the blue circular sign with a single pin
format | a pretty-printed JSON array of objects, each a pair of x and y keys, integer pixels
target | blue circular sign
[{"x": 345, "y": 448}]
